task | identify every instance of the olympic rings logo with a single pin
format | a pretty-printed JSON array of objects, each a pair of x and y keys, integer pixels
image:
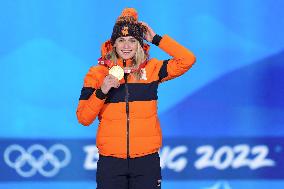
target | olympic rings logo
[{"x": 26, "y": 158}]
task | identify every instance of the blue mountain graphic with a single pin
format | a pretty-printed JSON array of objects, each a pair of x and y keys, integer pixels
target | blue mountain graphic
[{"x": 245, "y": 102}]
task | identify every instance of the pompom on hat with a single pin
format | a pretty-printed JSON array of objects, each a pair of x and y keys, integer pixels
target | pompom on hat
[
  {"x": 129, "y": 12},
  {"x": 127, "y": 25}
]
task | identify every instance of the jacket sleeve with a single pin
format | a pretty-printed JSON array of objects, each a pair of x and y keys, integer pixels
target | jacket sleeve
[
  {"x": 92, "y": 98},
  {"x": 181, "y": 61}
]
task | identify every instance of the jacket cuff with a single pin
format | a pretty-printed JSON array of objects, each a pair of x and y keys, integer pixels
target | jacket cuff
[
  {"x": 156, "y": 40},
  {"x": 100, "y": 94}
]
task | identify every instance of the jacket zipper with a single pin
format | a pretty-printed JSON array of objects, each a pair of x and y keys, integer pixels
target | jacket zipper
[{"x": 127, "y": 109}]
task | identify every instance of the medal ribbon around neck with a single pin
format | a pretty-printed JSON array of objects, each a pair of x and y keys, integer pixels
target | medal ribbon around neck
[{"x": 110, "y": 65}]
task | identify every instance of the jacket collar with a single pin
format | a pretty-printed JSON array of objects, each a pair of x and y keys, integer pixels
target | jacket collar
[{"x": 120, "y": 62}]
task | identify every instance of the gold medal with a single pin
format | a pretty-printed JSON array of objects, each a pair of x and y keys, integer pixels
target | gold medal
[{"x": 117, "y": 72}]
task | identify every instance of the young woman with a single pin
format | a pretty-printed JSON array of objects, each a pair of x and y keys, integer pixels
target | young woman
[{"x": 122, "y": 91}]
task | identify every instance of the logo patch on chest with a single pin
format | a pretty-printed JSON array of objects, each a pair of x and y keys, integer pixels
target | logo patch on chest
[{"x": 143, "y": 74}]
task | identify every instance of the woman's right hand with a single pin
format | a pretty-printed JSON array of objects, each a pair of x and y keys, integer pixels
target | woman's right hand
[{"x": 109, "y": 82}]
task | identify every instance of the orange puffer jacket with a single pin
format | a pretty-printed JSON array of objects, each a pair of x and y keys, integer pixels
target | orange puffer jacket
[{"x": 128, "y": 119}]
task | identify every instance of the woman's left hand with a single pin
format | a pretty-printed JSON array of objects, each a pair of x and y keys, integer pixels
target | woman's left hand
[{"x": 149, "y": 32}]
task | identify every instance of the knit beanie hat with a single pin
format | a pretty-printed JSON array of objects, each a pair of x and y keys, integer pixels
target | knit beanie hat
[{"x": 127, "y": 25}]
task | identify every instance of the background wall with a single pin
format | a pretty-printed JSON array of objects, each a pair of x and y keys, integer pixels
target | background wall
[{"x": 222, "y": 121}]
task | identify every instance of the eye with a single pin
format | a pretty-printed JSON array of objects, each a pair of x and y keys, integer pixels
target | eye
[{"x": 132, "y": 40}]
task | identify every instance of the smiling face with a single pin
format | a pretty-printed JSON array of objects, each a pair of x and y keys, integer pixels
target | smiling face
[{"x": 126, "y": 47}]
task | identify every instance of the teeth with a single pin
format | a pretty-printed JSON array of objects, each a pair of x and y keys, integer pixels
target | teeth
[{"x": 126, "y": 51}]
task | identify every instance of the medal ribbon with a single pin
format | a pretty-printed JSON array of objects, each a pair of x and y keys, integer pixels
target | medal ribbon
[{"x": 110, "y": 64}]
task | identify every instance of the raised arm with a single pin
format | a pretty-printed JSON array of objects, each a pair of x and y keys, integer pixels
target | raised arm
[{"x": 181, "y": 61}]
